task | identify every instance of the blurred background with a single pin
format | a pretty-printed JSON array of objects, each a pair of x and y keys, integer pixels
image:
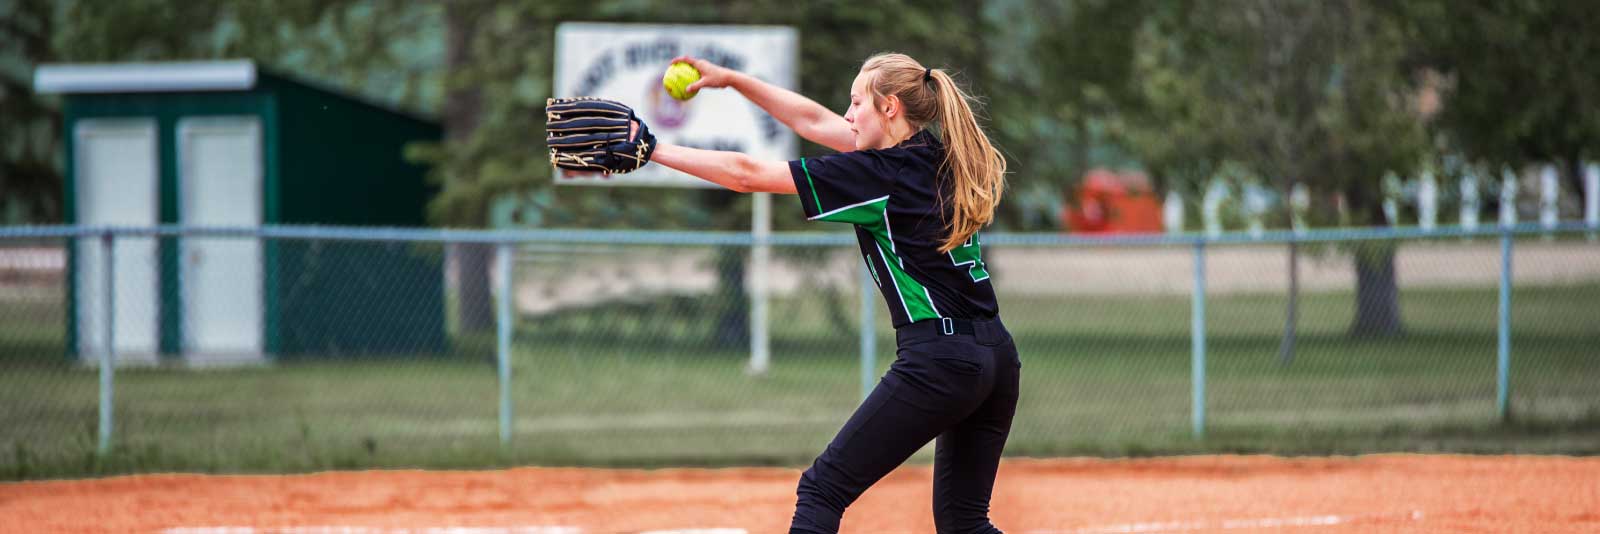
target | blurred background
[
  {"x": 1239, "y": 123},
  {"x": 1332, "y": 95}
]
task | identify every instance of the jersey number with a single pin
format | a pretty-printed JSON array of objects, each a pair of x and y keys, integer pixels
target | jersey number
[{"x": 968, "y": 254}]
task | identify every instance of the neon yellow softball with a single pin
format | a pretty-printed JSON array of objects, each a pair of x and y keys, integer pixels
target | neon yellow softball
[{"x": 678, "y": 77}]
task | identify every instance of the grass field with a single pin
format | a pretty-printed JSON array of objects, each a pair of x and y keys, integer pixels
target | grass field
[{"x": 640, "y": 386}]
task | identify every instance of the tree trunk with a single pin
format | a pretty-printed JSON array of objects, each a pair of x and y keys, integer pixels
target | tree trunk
[
  {"x": 463, "y": 105},
  {"x": 1291, "y": 316},
  {"x": 1077, "y": 169},
  {"x": 1291, "y": 320},
  {"x": 474, "y": 303},
  {"x": 733, "y": 303},
  {"x": 1080, "y": 149},
  {"x": 732, "y": 306},
  {"x": 1575, "y": 177},
  {"x": 1377, "y": 294}
]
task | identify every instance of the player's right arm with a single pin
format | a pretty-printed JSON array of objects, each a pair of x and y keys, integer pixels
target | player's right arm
[
  {"x": 733, "y": 170},
  {"x": 805, "y": 116}
]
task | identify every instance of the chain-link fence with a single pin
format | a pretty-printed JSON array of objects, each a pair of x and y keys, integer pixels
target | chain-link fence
[{"x": 296, "y": 348}]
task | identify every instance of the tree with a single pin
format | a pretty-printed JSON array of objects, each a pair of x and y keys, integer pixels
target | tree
[
  {"x": 30, "y": 126},
  {"x": 340, "y": 41},
  {"x": 1299, "y": 92},
  {"x": 1519, "y": 78},
  {"x": 1086, "y": 83},
  {"x": 370, "y": 47}
]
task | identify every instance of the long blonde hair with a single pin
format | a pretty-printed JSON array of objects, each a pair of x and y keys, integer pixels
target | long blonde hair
[{"x": 976, "y": 168}]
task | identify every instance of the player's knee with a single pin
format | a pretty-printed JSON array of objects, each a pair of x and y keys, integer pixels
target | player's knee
[
  {"x": 818, "y": 489},
  {"x": 820, "y": 503}
]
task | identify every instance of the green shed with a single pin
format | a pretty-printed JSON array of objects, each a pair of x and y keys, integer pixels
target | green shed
[{"x": 225, "y": 143}]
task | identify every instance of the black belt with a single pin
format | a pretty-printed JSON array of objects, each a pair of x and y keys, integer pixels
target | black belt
[{"x": 987, "y": 331}]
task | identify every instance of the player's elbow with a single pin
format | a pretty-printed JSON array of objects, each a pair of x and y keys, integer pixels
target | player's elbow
[{"x": 745, "y": 173}]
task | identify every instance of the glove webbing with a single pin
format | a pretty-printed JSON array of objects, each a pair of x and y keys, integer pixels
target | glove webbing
[{"x": 585, "y": 159}]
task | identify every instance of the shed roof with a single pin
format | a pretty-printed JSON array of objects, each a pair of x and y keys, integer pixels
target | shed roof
[
  {"x": 68, "y": 78},
  {"x": 187, "y": 76}
]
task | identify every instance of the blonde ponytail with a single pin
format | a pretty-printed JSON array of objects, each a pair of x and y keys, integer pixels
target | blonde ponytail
[{"x": 976, "y": 169}]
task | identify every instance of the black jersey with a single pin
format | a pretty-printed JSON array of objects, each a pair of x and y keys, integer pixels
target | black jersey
[{"x": 892, "y": 198}]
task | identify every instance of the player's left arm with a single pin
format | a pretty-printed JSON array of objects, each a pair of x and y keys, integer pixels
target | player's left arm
[{"x": 733, "y": 170}]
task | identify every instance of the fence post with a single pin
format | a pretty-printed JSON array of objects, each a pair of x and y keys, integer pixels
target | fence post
[
  {"x": 108, "y": 355},
  {"x": 1503, "y": 370},
  {"x": 760, "y": 263},
  {"x": 502, "y": 266},
  {"x": 1197, "y": 340},
  {"x": 869, "y": 339}
]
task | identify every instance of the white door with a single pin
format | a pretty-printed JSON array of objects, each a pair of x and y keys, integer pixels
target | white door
[
  {"x": 219, "y": 177},
  {"x": 117, "y": 168}
]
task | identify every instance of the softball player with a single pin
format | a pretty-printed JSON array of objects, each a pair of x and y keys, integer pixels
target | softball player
[{"x": 917, "y": 201}]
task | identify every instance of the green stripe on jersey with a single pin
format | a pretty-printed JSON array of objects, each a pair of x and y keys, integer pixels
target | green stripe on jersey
[
  {"x": 914, "y": 297},
  {"x": 813, "y": 185},
  {"x": 869, "y": 214},
  {"x": 864, "y": 213}
]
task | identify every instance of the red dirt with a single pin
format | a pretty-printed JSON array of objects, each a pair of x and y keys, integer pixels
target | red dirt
[{"x": 1385, "y": 493}]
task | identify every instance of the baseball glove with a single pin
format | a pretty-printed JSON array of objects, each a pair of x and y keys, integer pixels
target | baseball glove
[{"x": 596, "y": 135}]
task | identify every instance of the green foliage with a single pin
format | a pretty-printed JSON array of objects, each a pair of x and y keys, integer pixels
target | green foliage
[
  {"x": 1054, "y": 114},
  {"x": 1307, "y": 92},
  {"x": 1317, "y": 92},
  {"x": 1517, "y": 77},
  {"x": 30, "y": 126},
  {"x": 384, "y": 49}
]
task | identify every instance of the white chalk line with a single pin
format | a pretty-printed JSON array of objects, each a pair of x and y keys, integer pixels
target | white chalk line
[
  {"x": 1125, "y": 528},
  {"x": 1231, "y": 524}
]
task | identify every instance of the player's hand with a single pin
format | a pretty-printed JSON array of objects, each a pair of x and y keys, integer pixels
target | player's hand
[{"x": 711, "y": 74}]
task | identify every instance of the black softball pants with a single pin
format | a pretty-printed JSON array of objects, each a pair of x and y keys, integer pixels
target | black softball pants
[{"x": 960, "y": 388}]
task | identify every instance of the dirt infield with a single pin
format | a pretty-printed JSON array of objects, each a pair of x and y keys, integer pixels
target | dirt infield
[{"x": 1385, "y": 493}]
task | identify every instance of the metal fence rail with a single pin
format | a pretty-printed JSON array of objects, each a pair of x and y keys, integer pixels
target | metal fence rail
[
  {"x": 636, "y": 339},
  {"x": 654, "y": 237}
]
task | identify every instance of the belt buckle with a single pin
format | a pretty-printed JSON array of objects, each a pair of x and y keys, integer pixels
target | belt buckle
[{"x": 947, "y": 326}]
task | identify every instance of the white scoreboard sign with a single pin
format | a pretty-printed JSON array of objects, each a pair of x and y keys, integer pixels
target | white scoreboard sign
[{"x": 624, "y": 62}]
